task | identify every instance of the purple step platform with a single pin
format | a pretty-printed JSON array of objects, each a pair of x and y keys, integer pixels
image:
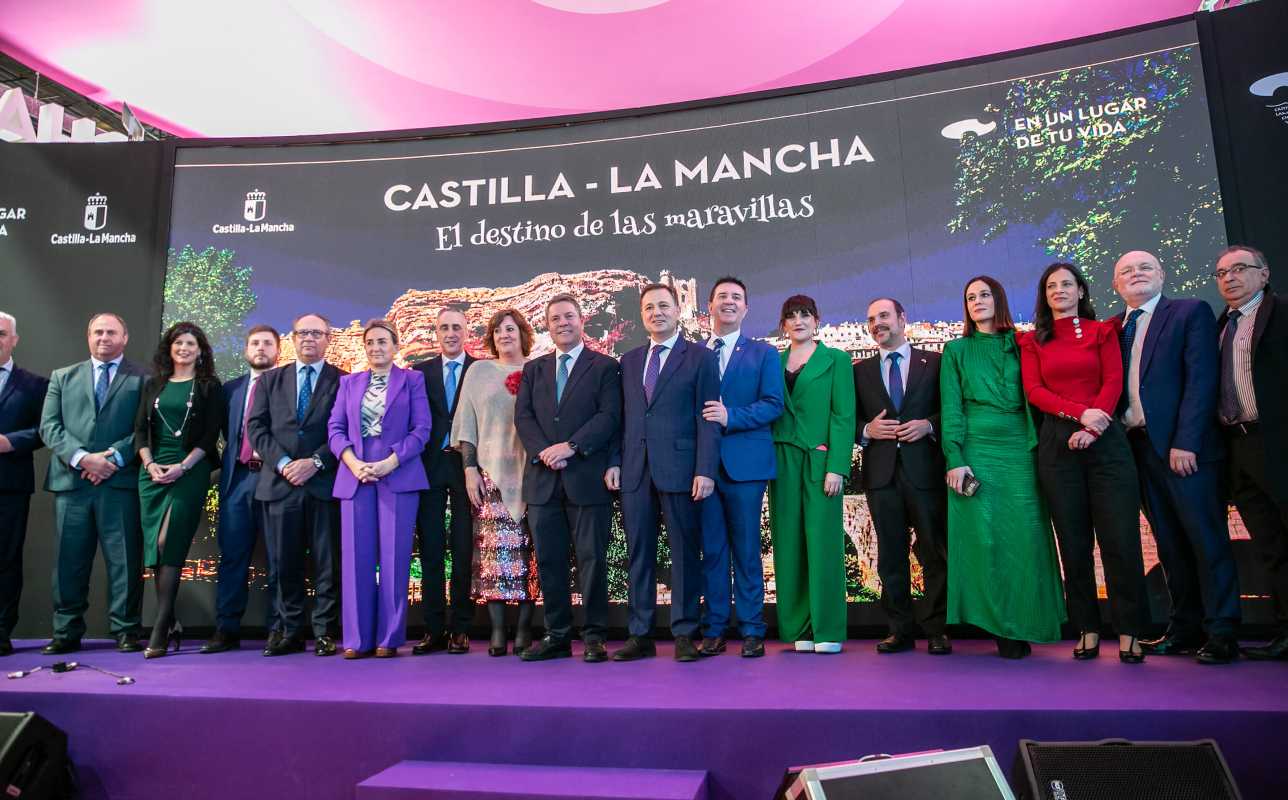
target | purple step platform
[
  {"x": 439, "y": 780},
  {"x": 241, "y": 725}
]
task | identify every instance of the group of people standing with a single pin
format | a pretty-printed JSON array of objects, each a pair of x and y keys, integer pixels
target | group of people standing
[{"x": 1009, "y": 456}]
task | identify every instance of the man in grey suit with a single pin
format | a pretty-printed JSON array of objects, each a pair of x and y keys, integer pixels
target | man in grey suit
[{"x": 88, "y": 423}]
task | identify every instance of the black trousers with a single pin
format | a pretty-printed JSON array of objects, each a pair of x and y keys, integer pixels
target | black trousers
[
  {"x": 13, "y": 534},
  {"x": 435, "y": 535},
  {"x": 1093, "y": 496},
  {"x": 297, "y": 527},
  {"x": 1265, "y": 518},
  {"x": 558, "y": 526},
  {"x": 895, "y": 507}
]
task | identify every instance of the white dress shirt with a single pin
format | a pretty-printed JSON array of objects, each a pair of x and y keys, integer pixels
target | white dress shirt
[
  {"x": 1134, "y": 416},
  {"x": 572, "y": 360},
  {"x": 669, "y": 346},
  {"x": 726, "y": 351},
  {"x": 6, "y": 371}
]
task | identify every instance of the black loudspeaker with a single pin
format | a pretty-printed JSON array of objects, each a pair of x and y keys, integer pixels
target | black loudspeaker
[
  {"x": 1115, "y": 768},
  {"x": 33, "y": 758}
]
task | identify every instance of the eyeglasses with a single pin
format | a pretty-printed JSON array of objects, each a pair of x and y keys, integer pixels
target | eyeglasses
[
  {"x": 310, "y": 334},
  {"x": 1236, "y": 270}
]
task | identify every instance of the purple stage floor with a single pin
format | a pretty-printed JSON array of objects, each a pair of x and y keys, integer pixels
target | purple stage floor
[{"x": 240, "y": 725}]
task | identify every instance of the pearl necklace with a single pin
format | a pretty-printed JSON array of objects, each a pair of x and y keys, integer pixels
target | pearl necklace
[{"x": 156, "y": 406}]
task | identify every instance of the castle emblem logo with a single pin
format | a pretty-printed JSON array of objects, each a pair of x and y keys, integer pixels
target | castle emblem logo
[
  {"x": 1267, "y": 87},
  {"x": 95, "y": 212},
  {"x": 256, "y": 206}
]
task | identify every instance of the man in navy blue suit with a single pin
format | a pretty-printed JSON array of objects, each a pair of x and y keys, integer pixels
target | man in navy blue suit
[
  {"x": 751, "y": 398},
  {"x": 665, "y": 466},
  {"x": 241, "y": 516},
  {"x": 22, "y": 394},
  {"x": 1171, "y": 380}
]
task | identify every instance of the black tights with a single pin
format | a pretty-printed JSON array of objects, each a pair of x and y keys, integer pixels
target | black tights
[
  {"x": 167, "y": 582},
  {"x": 496, "y": 613}
]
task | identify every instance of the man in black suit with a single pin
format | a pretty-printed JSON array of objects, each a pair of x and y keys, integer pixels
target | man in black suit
[
  {"x": 897, "y": 394},
  {"x": 1254, "y": 383},
  {"x": 22, "y": 394},
  {"x": 444, "y": 374},
  {"x": 568, "y": 413},
  {"x": 288, "y": 429}
]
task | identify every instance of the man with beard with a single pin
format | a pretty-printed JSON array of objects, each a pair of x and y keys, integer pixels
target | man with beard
[{"x": 241, "y": 516}]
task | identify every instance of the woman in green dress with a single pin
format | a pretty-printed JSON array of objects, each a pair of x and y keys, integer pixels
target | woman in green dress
[
  {"x": 813, "y": 441},
  {"x": 176, "y": 431},
  {"x": 1003, "y": 574}
]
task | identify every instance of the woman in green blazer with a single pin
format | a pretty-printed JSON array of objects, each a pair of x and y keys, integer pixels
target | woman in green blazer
[{"x": 813, "y": 440}]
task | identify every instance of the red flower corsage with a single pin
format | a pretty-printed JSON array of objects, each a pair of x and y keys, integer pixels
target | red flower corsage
[{"x": 512, "y": 382}]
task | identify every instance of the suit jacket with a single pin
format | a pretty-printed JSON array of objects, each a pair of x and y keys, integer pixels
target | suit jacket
[
  {"x": 819, "y": 414},
  {"x": 404, "y": 429},
  {"x": 1180, "y": 379},
  {"x": 69, "y": 423},
  {"x": 233, "y": 424},
  {"x": 923, "y": 460},
  {"x": 209, "y": 409},
  {"x": 1270, "y": 384},
  {"x": 20, "y": 403},
  {"x": 752, "y": 391},
  {"x": 668, "y": 435},
  {"x": 443, "y": 468},
  {"x": 275, "y": 434},
  {"x": 589, "y": 414}
]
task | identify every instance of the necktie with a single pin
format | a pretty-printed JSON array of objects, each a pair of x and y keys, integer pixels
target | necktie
[
  {"x": 896, "y": 381},
  {"x": 100, "y": 388},
  {"x": 1230, "y": 410},
  {"x": 306, "y": 394},
  {"x": 651, "y": 371},
  {"x": 561, "y": 376},
  {"x": 1126, "y": 338},
  {"x": 449, "y": 388},
  {"x": 719, "y": 348},
  {"x": 4, "y": 378},
  {"x": 246, "y": 453}
]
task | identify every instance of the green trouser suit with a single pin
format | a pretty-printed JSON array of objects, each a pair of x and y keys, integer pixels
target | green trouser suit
[{"x": 814, "y": 436}]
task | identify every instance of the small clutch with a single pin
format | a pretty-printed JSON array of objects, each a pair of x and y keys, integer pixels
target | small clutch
[{"x": 970, "y": 486}]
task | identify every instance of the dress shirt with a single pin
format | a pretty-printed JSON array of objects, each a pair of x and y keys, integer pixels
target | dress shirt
[
  {"x": 1134, "y": 416},
  {"x": 905, "y": 364},
  {"x": 111, "y": 376},
  {"x": 299, "y": 387},
  {"x": 573, "y": 355},
  {"x": 459, "y": 361},
  {"x": 669, "y": 346},
  {"x": 6, "y": 370},
  {"x": 726, "y": 352},
  {"x": 1247, "y": 324}
]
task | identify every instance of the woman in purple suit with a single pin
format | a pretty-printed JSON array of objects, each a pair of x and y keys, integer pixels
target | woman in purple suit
[{"x": 378, "y": 428}]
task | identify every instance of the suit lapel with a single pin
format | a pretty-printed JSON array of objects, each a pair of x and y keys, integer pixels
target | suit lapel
[
  {"x": 875, "y": 367},
  {"x": 9, "y": 384},
  {"x": 326, "y": 374},
  {"x": 579, "y": 368},
  {"x": 735, "y": 358},
  {"x": 396, "y": 381},
  {"x": 122, "y": 372},
  {"x": 1162, "y": 315},
  {"x": 633, "y": 364},
  {"x": 237, "y": 412},
  {"x": 1264, "y": 311},
  {"x": 353, "y": 403},
  {"x": 672, "y": 364},
  {"x": 916, "y": 372},
  {"x": 814, "y": 367}
]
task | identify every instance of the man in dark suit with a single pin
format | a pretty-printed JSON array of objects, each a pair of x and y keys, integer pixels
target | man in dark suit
[
  {"x": 88, "y": 423},
  {"x": 897, "y": 395},
  {"x": 1171, "y": 377},
  {"x": 1254, "y": 383},
  {"x": 241, "y": 516},
  {"x": 751, "y": 398},
  {"x": 22, "y": 394},
  {"x": 287, "y": 425},
  {"x": 568, "y": 413},
  {"x": 444, "y": 375},
  {"x": 665, "y": 466}
]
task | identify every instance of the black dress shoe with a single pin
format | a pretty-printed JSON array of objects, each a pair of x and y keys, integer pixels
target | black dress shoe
[
  {"x": 221, "y": 642},
  {"x": 1274, "y": 650},
  {"x": 753, "y": 647},
  {"x": 938, "y": 645},
  {"x": 1218, "y": 650},
  {"x": 896, "y": 643},
  {"x": 431, "y": 643},
  {"x": 1013, "y": 648},
  {"x": 1172, "y": 644},
  {"x": 273, "y": 638},
  {"x": 128, "y": 642},
  {"x": 685, "y": 650},
  {"x": 595, "y": 652},
  {"x": 324, "y": 646},
  {"x": 283, "y": 645},
  {"x": 636, "y": 647},
  {"x": 57, "y": 647},
  {"x": 547, "y": 649},
  {"x": 713, "y": 646},
  {"x": 458, "y": 643},
  {"x": 6, "y": 646}
]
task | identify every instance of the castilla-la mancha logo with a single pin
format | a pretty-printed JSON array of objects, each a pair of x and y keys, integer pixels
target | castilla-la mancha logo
[
  {"x": 1266, "y": 87},
  {"x": 95, "y": 212},
  {"x": 256, "y": 206}
]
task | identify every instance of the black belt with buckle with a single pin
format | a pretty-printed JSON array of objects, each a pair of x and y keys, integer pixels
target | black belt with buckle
[
  {"x": 255, "y": 465},
  {"x": 1242, "y": 429}
]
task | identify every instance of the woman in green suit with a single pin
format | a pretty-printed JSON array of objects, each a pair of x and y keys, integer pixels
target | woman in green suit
[
  {"x": 813, "y": 441},
  {"x": 1003, "y": 574}
]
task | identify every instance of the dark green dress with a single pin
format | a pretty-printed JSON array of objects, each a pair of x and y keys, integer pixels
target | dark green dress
[
  {"x": 1003, "y": 572},
  {"x": 185, "y": 498}
]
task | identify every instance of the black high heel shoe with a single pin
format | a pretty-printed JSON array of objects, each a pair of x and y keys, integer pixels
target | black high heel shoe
[
  {"x": 1086, "y": 653},
  {"x": 175, "y": 634},
  {"x": 499, "y": 645},
  {"x": 1129, "y": 656}
]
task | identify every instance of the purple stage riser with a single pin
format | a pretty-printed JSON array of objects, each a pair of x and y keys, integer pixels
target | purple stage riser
[{"x": 432, "y": 780}]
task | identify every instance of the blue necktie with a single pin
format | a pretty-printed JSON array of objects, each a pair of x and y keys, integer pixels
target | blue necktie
[
  {"x": 449, "y": 388},
  {"x": 651, "y": 372},
  {"x": 718, "y": 346},
  {"x": 100, "y": 388},
  {"x": 561, "y": 376},
  {"x": 306, "y": 394},
  {"x": 896, "y": 381},
  {"x": 1126, "y": 338}
]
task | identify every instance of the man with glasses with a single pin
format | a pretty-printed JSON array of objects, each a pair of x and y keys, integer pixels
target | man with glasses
[
  {"x": 1169, "y": 409},
  {"x": 287, "y": 426},
  {"x": 1254, "y": 382}
]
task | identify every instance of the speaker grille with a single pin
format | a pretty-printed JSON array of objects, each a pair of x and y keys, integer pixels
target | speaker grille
[{"x": 1182, "y": 771}]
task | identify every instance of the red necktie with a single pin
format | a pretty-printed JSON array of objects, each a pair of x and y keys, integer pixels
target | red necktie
[{"x": 246, "y": 453}]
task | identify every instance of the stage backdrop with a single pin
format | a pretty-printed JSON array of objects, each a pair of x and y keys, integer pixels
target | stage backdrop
[{"x": 900, "y": 187}]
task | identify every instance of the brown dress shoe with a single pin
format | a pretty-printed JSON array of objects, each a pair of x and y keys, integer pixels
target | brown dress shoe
[
  {"x": 386, "y": 652},
  {"x": 458, "y": 643},
  {"x": 353, "y": 655},
  {"x": 712, "y": 646}
]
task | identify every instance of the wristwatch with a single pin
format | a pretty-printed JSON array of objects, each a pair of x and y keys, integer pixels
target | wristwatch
[
  {"x": 317, "y": 462},
  {"x": 573, "y": 446}
]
